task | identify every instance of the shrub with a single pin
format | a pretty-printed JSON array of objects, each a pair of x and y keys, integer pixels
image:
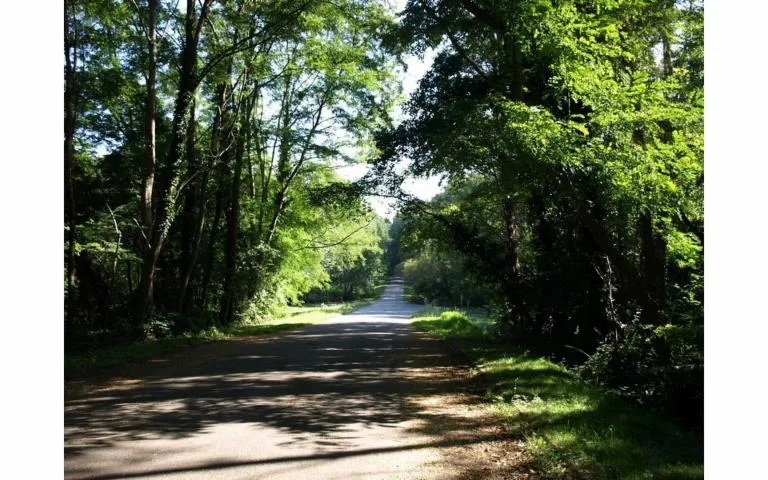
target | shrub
[{"x": 660, "y": 366}]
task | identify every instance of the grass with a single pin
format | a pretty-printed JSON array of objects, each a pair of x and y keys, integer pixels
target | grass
[
  {"x": 569, "y": 428},
  {"x": 113, "y": 357},
  {"x": 318, "y": 313}
]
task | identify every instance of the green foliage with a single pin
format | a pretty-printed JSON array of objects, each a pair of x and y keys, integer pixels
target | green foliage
[
  {"x": 570, "y": 135},
  {"x": 449, "y": 324},
  {"x": 354, "y": 260},
  {"x": 441, "y": 277},
  {"x": 655, "y": 365},
  {"x": 249, "y": 214}
]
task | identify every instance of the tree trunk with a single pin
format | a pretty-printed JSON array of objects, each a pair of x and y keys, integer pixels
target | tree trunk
[
  {"x": 513, "y": 235},
  {"x": 233, "y": 213},
  {"x": 70, "y": 51},
  {"x": 251, "y": 177},
  {"x": 128, "y": 275},
  {"x": 511, "y": 268},
  {"x": 191, "y": 209},
  {"x": 284, "y": 157},
  {"x": 286, "y": 173},
  {"x": 653, "y": 261},
  {"x": 202, "y": 209},
  {"x": 222, "y": 199},
  {"x": 185, "y": 298},
  {"x": 512, "y": 263},
  {"x": 230, "y": 254},
  {"x": 666, "y": 56},
  {"x": 513, "y": 70},
  {"x": 207, "y": 273},
  {"x": 148, "y": 179},
  {"x": 516, "y": 61}
]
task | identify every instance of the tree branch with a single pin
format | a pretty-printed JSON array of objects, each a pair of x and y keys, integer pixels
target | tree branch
[
  {"x": 456, "y": 45},
  {"x": 329, "y": 245}
]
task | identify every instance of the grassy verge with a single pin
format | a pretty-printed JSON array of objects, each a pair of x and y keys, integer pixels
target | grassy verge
[
  {"x": 569, "y": 428},
  {"x": 378, "y": 290},
  {"x": 118, "y": 356}
]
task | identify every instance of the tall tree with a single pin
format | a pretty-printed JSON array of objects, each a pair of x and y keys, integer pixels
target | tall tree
[
  {"x": 169, "y": 183},
  {"x": 148, "y": 179},
  {"x": 70, "y": 96}
]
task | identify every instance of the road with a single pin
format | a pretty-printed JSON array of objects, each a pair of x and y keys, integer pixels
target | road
[{"x": 359, "y": 396}]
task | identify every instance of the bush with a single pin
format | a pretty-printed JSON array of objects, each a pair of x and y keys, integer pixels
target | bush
[
  {"x": 441, "y": 277},
  {"x": 159, "y": 326},
  {"x": 660, "y": 366}
]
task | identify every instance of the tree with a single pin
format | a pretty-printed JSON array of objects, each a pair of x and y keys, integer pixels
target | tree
[
  {"x": 574, "y": 153},
  {"x": 70, "y": 95},
  {"x": 169, "y": 183}
]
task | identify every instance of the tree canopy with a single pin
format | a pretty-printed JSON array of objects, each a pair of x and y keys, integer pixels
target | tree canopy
[
  {"x": 571, "y": 137},
  {"x": 202, "y": 140}
]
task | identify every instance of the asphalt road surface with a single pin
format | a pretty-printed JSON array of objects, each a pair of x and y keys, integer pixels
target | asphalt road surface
[{"x": 330, "y": 401}]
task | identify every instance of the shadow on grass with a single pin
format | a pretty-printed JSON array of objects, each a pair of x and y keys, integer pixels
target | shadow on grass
[
  {"x": 119, "y": 359},
  {"x": 329, "y": 309},
  {"x": 571, "y": 429},
  {"x": 250, "y": 330}
]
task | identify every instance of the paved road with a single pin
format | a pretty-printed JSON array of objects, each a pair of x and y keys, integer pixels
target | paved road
[{"x": 329, "y": 401}]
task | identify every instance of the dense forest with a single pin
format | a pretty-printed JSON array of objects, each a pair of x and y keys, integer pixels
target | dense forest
[
  {"x": 203, "y": 141},
  {"x": 201, "y": 148}
]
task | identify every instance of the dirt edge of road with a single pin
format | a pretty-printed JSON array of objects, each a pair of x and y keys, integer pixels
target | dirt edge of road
[{"x": 482, "y": 447}]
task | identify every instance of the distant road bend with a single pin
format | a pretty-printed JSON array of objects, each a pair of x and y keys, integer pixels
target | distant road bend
[{"x": 359, "y": 396}]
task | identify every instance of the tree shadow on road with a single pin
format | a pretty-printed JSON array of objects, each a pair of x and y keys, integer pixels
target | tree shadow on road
[{"x": 318, "y": 386}]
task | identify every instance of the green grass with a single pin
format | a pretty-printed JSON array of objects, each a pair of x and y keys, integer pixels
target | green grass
[
  {"x": 109, "y": 358},
  {"x": 570, "y": 429},
  {"x": 318, "y": 313}
]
